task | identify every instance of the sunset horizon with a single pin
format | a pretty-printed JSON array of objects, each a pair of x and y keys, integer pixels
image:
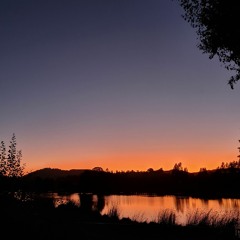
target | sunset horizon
[
  {"x": 143, "y": 166},
  {"x": 116, "y": 84}
]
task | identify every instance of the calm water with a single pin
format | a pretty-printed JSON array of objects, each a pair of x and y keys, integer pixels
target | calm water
[{"x": 147, "y": 208}]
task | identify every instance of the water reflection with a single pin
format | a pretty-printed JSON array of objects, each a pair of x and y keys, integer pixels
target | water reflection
[
  {"x": 64, "y": 199},
  {"x": 151, "y": 206},
  {"x": 147, "y": 208}
]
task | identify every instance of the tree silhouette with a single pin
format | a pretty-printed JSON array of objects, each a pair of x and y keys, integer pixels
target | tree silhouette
[
  {"x": 11, "y": 160},
  {"x": 150, "y": 170},
  {"x": 217, "y": 25},
  {"x": 178, "y": 167},
  {"x": 98, "y": 169},
  {"x": 3, "y": 159},
  {"x": 11, "y": 166}
]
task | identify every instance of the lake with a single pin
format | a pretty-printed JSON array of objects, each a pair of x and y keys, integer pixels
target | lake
[{"x": 147, "y": 208}]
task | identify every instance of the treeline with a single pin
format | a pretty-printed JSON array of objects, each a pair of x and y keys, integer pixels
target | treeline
[{"x": 221, "y": 182}]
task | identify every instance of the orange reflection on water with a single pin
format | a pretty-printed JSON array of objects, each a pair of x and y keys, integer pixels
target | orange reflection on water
[
  {"x": 64, "y": 199},
  {"x": 147, "y": 208}
]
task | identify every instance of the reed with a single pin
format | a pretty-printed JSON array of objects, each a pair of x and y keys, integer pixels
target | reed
[
  {"x": 212, "y": 219},
  {"x": 114, "y": 213},
  {"x": 166, "y": 217}
]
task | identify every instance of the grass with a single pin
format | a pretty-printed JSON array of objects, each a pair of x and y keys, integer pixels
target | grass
[
  {"x": 114, "y": 213},
  {"x": 212, "y": 219},
  {"x": 166, "y": 217},
  {"x": 139, "y": 217}
]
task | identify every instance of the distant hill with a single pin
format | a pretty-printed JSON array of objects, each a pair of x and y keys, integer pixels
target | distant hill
[
  {"x": 54, "y": 173},
  {"x": 222, "y": 182}
]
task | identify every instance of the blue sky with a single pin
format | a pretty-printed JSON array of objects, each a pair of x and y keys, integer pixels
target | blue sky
[{"x": 119, "y": 84}]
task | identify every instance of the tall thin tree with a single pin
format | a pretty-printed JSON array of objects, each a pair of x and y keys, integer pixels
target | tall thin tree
[
  {"x": 12, "y": 156},
  {"x": 3, "y": 159},
  {"x": 14, "y": 166}
]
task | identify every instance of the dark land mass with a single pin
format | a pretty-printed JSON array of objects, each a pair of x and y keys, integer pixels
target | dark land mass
[
  {"x": 25, "y": 215},
  {"x": 218, "y": 183},
  {"x": 97, "y": 230}
]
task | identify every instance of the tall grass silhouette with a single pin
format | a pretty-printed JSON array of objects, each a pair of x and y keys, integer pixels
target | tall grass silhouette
[
  {"x": 114, "y": 212},
  {"x": 212, "y": 219},
  {"x": 166, "y": 217}
]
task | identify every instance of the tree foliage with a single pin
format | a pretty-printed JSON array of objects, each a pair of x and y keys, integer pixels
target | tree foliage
[
  {"x": 3, "y": 159},
  {"x": 98, "y": 169},
  {"x": 217, "y": 26},
  {"x": 11, "y": 164},
  {"x": 178, "y": 167}
]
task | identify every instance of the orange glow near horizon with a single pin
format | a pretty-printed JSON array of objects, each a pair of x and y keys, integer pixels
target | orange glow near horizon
[
  {"x": 127, "y": 162},
  {"x": 135, "y": 153}
]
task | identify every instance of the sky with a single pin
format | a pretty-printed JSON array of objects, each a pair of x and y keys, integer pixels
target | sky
[{"x": 118, "y": 84}]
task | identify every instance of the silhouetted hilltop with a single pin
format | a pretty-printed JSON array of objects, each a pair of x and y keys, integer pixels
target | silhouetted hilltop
[{"x": 54, "y": 173}]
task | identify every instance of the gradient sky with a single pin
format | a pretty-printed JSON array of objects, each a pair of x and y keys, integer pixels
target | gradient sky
[{"x": 119, "y": 84}]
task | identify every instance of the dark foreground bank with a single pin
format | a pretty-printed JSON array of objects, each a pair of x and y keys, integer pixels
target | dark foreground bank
[
  {"x": 35, "y": 228},
  {"x": 38, "y": 219}
]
